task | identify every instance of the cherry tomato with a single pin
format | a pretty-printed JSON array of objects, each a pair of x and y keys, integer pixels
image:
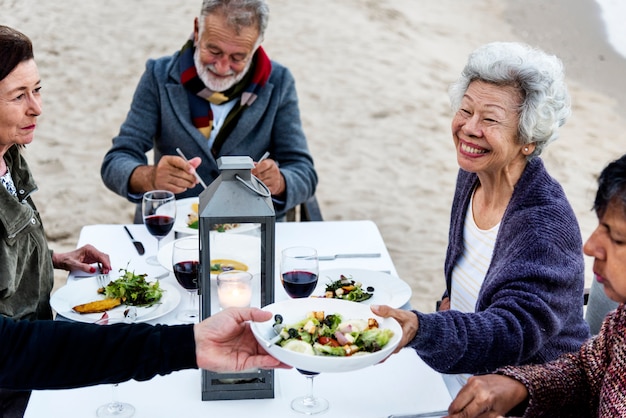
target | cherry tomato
[{"x": 328, "y": 341}]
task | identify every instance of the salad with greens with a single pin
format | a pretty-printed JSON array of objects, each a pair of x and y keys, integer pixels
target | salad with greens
[
  {"x": 331, "y": 335},
  {"x": 133, "y": 289},
  {"x": 348, "y": 289}
]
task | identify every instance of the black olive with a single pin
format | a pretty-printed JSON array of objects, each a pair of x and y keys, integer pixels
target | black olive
[
  {"x": 293, "y": 333},
  {"x": 370, "y": 288},
  {"x": 278, "y": 319}
]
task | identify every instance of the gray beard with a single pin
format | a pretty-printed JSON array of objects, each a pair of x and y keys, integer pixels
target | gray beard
[{"x": 213, "y": 83}]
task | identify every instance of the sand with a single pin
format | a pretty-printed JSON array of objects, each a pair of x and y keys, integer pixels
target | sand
[{"x": 372, "y": 77}]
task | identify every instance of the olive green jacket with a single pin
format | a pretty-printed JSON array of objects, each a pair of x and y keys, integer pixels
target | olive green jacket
[{"x": 26, "y": 270}]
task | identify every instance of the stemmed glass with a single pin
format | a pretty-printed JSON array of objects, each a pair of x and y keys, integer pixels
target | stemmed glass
[
  {"x": 185, "y": 263},
  {"x": 299, "y": 269},
  {"x": 159, "y": 213},
  {"x": 116, "y": 408}
]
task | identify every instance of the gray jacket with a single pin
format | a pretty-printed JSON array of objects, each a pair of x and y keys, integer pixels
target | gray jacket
[
  {"x": 26, "y": 270},
  {"x": 159, "y": 119}
]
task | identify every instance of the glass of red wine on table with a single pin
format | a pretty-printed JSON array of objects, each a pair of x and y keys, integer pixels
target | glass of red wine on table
[
  {"x": 159, "y": 213},
  {"x": 299, "y": 269},
  {"x": 185, "y": 263}
]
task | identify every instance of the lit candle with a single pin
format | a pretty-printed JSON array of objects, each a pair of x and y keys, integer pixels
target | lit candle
[{"x": 234, "y": 289}]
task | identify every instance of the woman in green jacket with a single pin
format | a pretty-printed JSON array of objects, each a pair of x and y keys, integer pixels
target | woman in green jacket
[{"x": 26, "y": 263}]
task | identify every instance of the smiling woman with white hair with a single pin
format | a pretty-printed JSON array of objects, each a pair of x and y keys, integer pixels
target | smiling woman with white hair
[
  {"x": 537, "y": 76},
  {"x": 514, "y": 266}
]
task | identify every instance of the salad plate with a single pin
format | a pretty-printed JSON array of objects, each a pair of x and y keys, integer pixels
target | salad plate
[
  {"x": 184, "y": 207},
  {"x": 295, "y": 310},
  {"x": 388, "y": 289},
  {"x": 86, "y": 290}
]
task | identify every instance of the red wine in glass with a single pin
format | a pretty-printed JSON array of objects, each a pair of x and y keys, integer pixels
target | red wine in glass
[
  {"x": 186, "y": 273},
  {"x": 299, "y": 268},
  {"x": 159, "y": 213},
  {"x": 159, "y": 225},
  {"x": 186, "y": 267},
  {"x": 299, "y": 284}
]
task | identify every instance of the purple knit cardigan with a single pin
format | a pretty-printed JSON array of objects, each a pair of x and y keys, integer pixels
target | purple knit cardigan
[{"x": 530, "y": 306}]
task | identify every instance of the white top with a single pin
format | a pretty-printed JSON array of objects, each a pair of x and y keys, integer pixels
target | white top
[
  {"x": 468, "y": 276},
  {"x": 469, "y": 273},
  {"x": 219, "y": 116},
  {"x": 7, "y": 182}
]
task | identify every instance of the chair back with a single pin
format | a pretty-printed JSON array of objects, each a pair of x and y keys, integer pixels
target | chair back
[{"x": 598, "y": 305}]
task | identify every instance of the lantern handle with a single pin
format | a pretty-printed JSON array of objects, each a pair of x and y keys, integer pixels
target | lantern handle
[{"x": 264, "y": 193}]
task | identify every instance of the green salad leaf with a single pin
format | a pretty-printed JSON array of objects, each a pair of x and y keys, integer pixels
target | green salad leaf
[{"x": 134, "y": 290}]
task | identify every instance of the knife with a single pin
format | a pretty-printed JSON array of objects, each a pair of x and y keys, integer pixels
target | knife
[
  {"x": 138, "y": 245},
  {"x": 355, "y": 255}
]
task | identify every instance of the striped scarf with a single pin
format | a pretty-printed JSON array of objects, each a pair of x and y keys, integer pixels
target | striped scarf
[{"x": 201, "y": 96}]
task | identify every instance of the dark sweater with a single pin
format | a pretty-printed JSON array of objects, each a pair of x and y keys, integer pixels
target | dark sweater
[
  {"x": 530, "y": 306},
  {"x": 590, "y": 383},
  {"x": 61, "y": 355}
]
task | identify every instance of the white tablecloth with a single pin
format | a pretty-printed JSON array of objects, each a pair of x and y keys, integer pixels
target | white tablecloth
[{"x": 402, "y": 384}]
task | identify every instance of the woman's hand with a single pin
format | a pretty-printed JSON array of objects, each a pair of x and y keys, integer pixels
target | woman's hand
[
  {"x": 82, "y": 259},
  {"x": 487, "y": 396},
  {"x": 407, "y": 319}
]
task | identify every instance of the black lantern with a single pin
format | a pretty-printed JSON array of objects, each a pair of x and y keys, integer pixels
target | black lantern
[{"x": 238, "y": 200}]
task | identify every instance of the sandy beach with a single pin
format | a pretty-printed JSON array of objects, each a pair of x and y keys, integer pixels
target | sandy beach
[{"x": 372, "y": 78}]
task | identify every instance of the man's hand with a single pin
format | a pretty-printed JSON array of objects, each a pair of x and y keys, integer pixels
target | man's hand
[
  {"x": 82, "y": 259},
  {"x": 267, "y": 171},
  {"x": 172, "y": 173},
  {"x": 407, "y": 319},
  {"x": 225, "y": 343}
]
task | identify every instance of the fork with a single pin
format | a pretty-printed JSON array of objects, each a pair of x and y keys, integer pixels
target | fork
[{"x": 103, "y": 280}]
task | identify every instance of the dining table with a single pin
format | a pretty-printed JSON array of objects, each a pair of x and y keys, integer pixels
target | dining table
[{"x": 402, "y": 384}]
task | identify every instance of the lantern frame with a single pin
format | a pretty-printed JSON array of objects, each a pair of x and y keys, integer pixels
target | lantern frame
[{"x": 236, "y": 196}]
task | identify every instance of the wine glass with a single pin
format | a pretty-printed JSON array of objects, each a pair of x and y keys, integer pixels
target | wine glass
[
  {"x": 116, "y": 408},
  {"x": 159, "y": 213},
  {"x": 185, "y": 263},
  {"x": 299, "y": 269}
]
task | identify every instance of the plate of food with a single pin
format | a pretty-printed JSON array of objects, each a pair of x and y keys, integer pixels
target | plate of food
[
  {"x": 232, "y": 252},
  {"x": 369, "y": 287},
  {"x": 327, "y": 335},
  {"x": 86, "y": 301},
  {"x": 187, "y": 219}
]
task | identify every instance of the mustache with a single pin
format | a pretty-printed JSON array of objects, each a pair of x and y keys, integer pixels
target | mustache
[{"x": 211, "y": 67}]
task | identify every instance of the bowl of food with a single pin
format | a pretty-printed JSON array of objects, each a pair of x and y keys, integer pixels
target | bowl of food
[{"x": 327, "y": 335}]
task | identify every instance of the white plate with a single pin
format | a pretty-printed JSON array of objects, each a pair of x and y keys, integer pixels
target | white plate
[
  {"x": 243, "y": 248},
  {"x": 294, "y": 310},
  {"x": 388, "y": 289},
  {"x": 86, "y": 290},
  {"x": 183, "y": 208}
]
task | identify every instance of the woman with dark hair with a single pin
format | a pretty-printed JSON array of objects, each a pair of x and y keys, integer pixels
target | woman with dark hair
[
  {"x": 26, "y": 264},
  {"x": 591, "y": 382}
]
